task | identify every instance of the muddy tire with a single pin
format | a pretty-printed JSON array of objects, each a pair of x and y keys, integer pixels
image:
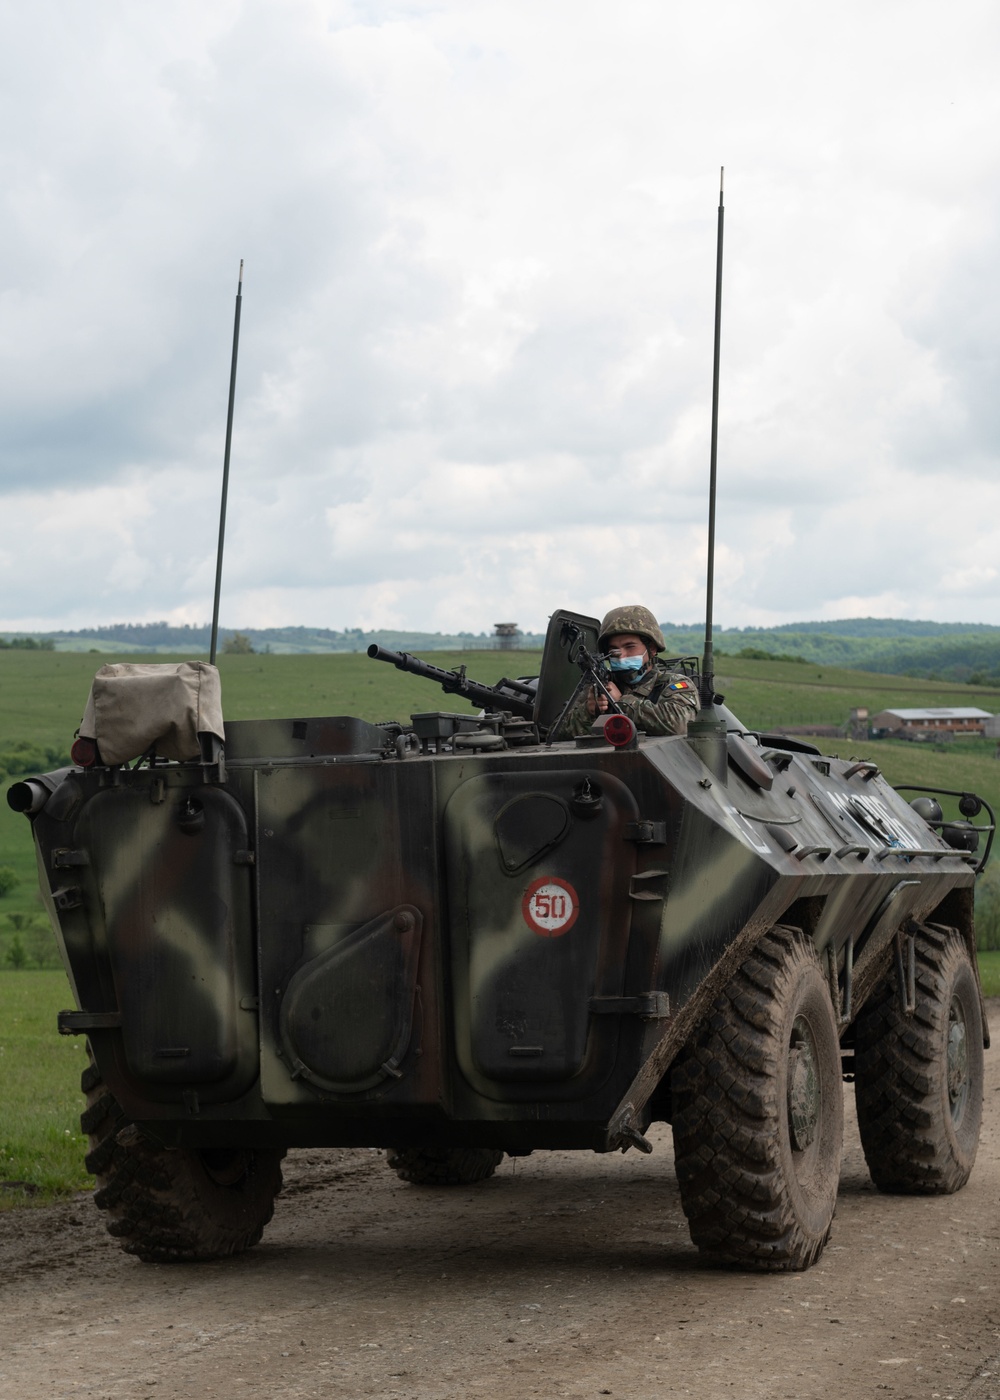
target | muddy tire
[
  {"x": 174, "y": 1206},
  {"x": 919, "y": 1078},
  {"x": 758, "y": 1112},
  {"x": 443, "y": 1166}
]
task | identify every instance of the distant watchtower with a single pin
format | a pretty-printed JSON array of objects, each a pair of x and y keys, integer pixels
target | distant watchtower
[{"x": 506, "y": 634}]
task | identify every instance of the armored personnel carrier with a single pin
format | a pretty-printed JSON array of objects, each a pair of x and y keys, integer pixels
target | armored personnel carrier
[
  {"x": 455, "y": 937},
  {"x": 462, "y": 936}
]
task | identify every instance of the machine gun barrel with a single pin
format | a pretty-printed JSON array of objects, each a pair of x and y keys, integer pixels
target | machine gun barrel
[{"x": 513, "y": 695}]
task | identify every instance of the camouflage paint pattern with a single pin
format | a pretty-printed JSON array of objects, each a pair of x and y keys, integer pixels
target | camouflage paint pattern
[{"x": 351, "y": 934}]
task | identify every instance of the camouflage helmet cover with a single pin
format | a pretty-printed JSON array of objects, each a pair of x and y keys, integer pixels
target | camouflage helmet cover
[{"x": 634, "y": 618}]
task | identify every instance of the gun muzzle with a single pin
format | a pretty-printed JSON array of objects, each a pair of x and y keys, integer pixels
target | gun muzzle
[{"x": 378, "y": 653}]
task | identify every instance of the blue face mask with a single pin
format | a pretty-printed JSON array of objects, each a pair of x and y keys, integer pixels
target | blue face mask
[{"x": 628, "y": 663}]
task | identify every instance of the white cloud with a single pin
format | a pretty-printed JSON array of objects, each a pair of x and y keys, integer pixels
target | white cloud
[{"x": 476, "y": 352}]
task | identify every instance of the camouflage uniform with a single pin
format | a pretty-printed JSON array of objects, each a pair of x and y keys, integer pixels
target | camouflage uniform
[{"x": 661, "y": 701}]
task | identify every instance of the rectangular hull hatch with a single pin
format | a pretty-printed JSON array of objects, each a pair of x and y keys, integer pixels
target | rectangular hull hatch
[
  {"x": 538, "y": 879},
  {"x": 175, "y": 899}
]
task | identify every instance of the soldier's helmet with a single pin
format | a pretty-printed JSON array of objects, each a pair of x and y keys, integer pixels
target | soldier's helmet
[{"x": 632, "y": 617}]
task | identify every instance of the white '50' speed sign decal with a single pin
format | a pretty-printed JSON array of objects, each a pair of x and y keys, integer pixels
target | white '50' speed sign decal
[{"x": 550, "y": 906}]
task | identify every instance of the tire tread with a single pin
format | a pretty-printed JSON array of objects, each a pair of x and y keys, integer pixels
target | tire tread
[
  {"x": 898, "y": 1061},
  {"x": 725, "y": 1094},
  {"x": 163, "y": 1206}
]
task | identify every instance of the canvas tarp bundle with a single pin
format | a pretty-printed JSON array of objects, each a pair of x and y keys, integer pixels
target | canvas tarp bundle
[{"x": 133, "y": 707}]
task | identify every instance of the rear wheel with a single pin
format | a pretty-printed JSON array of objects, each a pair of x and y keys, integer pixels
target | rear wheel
[
  {"x": 444, "y": 1166},
  {"x": 174, "y": 1206},
  {"x": 919, "y": 1077},
  {"x": 758, "y": 1112}
]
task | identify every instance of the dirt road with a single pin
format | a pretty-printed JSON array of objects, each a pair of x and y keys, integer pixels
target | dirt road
[{"x": 566, "y": 1275}]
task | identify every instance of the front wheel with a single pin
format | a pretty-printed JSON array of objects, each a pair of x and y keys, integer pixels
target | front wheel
[
  {"x": 919, "y": 1077},
  {"x": 758, "y": 1112},
  {"x": 174, "y": 1206}
]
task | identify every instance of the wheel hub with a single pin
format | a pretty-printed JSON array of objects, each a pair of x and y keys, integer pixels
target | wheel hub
[
  {"x": 224, "y": 1166},
  {"x": 803, "y": 1086},
  {"x": 958, "y": 1061}
]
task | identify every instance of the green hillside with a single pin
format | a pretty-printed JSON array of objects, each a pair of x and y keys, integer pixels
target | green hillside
[
  {"x": 956, "y": 651},
  {"x": 953, "y": 651},
  {"x": 769, "y": 693}
]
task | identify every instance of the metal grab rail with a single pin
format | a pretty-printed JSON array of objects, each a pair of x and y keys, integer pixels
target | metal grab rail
[{"x": 969, "y": 797}]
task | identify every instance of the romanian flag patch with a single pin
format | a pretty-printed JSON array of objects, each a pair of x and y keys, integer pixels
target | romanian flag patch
[{"x": 680, "y": 685}]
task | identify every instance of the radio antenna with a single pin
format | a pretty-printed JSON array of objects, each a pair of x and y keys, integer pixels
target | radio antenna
[
  {"x": 225, "y": 471},
  {"x": 707, "y": 733},
  {"x": 708, "y": 661}
]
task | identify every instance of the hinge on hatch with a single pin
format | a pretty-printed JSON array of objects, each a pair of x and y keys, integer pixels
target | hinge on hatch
[
  {"x": 645, "y": 833},
  {"x": 649, "y": 1006},
  {"x": 80, "y": 1022},
  {"x": 65, "y": 859}
]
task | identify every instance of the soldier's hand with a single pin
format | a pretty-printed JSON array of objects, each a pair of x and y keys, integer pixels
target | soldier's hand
[{"x": 599, "y": 703}]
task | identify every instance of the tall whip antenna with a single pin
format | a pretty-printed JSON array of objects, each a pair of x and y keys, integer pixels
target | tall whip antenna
[
  {"x": 225, "y": 470},
  {"x": 708, "y": 662}
]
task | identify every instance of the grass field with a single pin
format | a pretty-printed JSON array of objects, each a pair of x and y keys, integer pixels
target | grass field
[
  {"x": 40, "y": 1101},
  {"x": 989, "y": 971},
  {"x": 766, "y": 693}
]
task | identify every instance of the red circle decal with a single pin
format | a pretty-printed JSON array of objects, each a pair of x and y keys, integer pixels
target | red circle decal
[{"x": 550, "y": 906}]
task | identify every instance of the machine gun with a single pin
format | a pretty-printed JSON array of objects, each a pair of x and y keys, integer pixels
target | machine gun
[
  {"x": 594, "y": 673},
  {"x": 514, "y": 695}
]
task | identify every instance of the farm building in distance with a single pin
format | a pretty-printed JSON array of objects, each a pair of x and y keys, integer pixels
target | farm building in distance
[{"x": 926, "y": 724}]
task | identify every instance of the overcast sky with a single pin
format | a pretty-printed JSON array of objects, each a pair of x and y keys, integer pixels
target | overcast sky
[{"x": 476, "y": 350}]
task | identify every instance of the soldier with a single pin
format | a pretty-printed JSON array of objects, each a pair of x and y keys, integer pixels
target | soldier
[{"x": 656, "y": 699}]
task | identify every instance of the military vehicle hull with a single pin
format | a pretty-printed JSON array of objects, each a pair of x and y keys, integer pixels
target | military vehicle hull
[{"x": 452, "y": 937}]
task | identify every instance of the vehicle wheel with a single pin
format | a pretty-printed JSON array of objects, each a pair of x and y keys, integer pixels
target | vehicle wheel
[
  {"x": 174, "y": 1206},
  {"x": 443, "y": 1166},
  {"x": 919, "y": 1078},
  {"x": 759, "y": 1113}
]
